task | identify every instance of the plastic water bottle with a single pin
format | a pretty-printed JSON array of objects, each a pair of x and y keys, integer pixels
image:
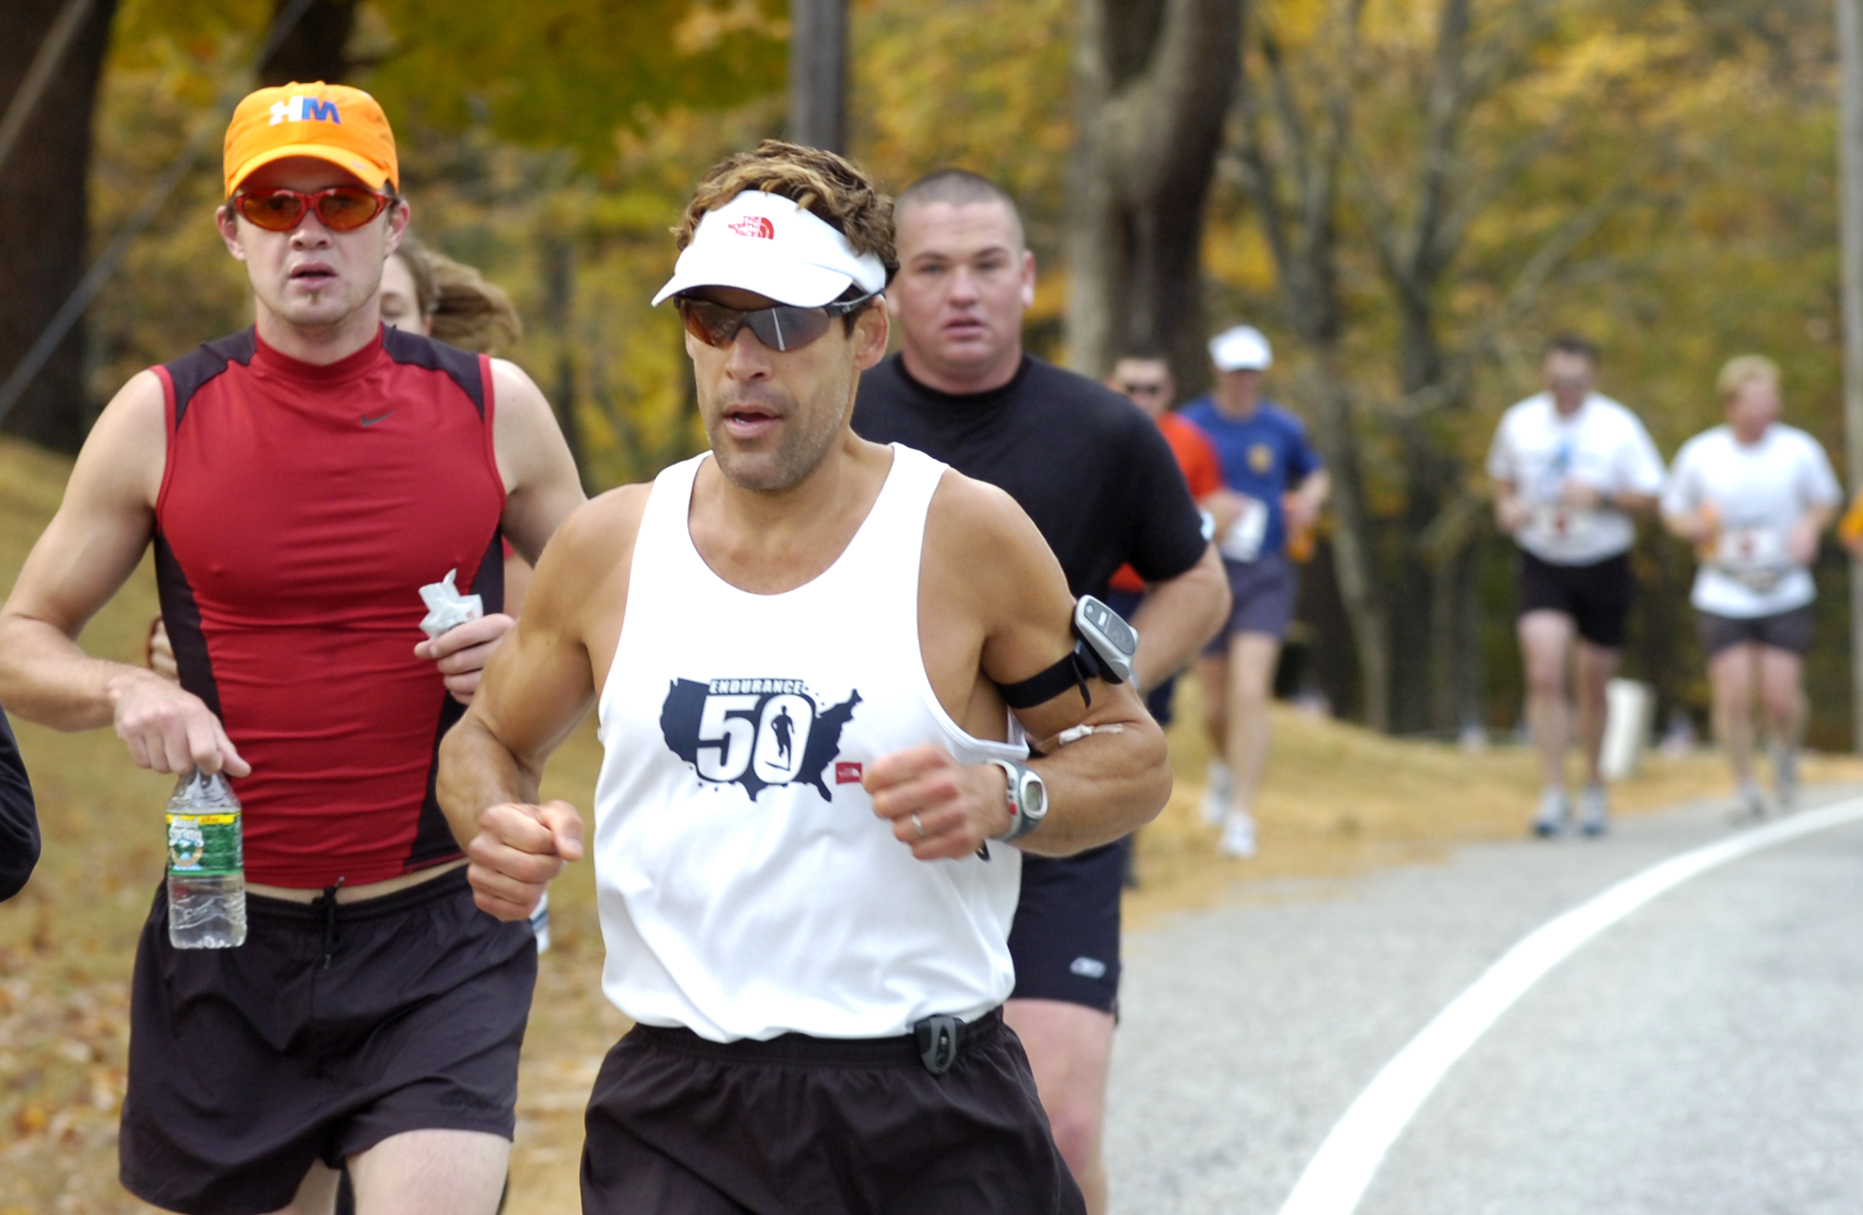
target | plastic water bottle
[
  {"x": 206, "y": 865},
  {"x": 540, "y": 923}
]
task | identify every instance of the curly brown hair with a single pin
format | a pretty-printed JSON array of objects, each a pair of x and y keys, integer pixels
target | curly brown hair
[
  {"x": 462, "y": 308},
  {"x": 831, "y": 187}
]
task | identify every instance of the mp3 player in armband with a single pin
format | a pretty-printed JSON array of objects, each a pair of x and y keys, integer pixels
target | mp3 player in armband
[{"x": 1104, "y": 651}]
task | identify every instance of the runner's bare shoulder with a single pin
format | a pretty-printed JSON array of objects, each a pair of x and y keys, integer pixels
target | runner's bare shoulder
[
  {"x": 977, "y": 529},
  {"x": 124, "y": 456},
  {"x": 597, "y": 540}
]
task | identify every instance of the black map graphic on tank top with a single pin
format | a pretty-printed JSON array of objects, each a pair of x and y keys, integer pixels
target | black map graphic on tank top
[{"x": 754, "y": 732}]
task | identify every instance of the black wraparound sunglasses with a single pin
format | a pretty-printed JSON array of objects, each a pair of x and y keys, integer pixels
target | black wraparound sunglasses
[{"x": 783, "y": 327}]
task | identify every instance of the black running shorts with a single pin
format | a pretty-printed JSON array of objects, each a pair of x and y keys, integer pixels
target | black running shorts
[
  {"x": 317, "y": 1039},
  {"x": 1596, "y": 597},
  {"x": 1790, "y": 631},
  {"x": 678, "y": 1125},
  {"x": 1065, "y": 937}
]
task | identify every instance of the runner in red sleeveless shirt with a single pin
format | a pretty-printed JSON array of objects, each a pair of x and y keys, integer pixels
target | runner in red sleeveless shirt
[
  {"x": 316, "y": 677},
  {"x": 300, "y": 482}
]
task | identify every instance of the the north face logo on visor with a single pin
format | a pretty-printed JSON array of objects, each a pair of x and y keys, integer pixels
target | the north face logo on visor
[
  {"x": 305, "y": 109},
  {"x": 754, "y": 225}
]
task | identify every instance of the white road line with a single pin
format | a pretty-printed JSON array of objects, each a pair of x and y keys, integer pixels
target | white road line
[{"x": 1339, "y": 1173}]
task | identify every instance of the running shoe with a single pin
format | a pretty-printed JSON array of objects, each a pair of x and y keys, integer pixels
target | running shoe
[
  {"x": 1550, "y": 820},
  {"x": 1594, "y": 812},
  {"x": 1749, "y": 803},
  {"x": 1217, "y": 790},
  {"x": 1239, "y": 835},
  {"x": 1785, "y": 778}
]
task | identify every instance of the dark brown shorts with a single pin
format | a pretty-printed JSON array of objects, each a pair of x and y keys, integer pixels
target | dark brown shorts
[
  {"x": 678, "y": 1125},
  {"x": 1790, "y": 631},
  {"x": 315, "y": 1040}
]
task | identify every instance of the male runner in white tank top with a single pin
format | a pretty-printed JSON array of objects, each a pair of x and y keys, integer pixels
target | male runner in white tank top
[
  {"x": 808, "y": 920},
  {"x": 1753, "y": 496}
]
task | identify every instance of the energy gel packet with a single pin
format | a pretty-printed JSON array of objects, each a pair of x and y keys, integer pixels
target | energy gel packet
[{"x": 446, "y": 607}]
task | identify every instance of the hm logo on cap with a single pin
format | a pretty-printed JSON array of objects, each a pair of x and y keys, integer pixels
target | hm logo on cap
[
  {"x": 755, "y": 225},
  {"x": 305, "y": 109}
]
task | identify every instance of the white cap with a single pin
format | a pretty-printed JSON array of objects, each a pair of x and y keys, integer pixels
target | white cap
[
  {"x": 1241, "y": 349},
  {"x": 767, "y": 244}
]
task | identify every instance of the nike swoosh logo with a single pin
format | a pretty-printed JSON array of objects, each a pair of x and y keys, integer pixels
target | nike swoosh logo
[{"x": 368, "y": 421}]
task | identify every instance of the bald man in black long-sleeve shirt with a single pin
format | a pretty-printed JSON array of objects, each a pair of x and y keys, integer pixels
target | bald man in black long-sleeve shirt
[{"x": 19, "y": 823}]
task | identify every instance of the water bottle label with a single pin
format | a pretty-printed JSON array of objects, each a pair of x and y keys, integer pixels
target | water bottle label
[{"x": 208, "y": 845}]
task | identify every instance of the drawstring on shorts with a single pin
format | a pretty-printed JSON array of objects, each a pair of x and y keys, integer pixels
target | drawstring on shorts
[{"x": 327, "y": 900}]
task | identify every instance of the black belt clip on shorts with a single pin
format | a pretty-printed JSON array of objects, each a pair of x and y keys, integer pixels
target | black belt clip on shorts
[{"x": 938, "y": 1038}]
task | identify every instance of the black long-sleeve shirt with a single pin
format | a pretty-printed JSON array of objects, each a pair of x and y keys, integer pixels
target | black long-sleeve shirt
[{"x": 19, "y": 821}]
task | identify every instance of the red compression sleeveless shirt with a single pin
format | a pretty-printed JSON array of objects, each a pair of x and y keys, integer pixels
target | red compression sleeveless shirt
[{"x": 302, "y": 507}]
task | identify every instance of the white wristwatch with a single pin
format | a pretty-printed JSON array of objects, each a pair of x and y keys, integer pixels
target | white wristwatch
[{"x": 1028, "y": 799}]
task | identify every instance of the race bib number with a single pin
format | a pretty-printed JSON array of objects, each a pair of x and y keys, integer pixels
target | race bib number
[
  {"x": 1751, "y": 548},
  {"x": 1553, "y": 524},
  {"x": 1755, "y": 557}
]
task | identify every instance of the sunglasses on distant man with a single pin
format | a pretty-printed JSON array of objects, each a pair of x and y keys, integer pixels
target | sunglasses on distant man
[
  {"x": 339, "y": 208},
  {"x": 782, "y": 328}
]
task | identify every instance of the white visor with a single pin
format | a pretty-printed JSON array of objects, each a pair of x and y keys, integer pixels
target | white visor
[
  {"x": 767, "y": 244},
  {"x": 1241, "y": 349}
]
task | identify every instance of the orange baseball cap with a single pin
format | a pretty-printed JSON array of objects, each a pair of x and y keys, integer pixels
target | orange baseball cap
[{"x": 331, "y": 122}]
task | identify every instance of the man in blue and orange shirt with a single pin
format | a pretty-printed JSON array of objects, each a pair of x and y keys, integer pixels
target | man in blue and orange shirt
[
  {"x": 1275, "y": 487},
  {"x": 1144, "y": 375}
]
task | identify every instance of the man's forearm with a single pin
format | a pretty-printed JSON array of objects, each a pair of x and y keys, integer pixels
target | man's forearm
[
  {"x": 1102, "y": 787},
  {"x": 478, "y": 771},
  {"x": 1314, "y": 489},
  {"x": 45, "y": 677},
  {"x": 1178, "y": 617},
  {"x": 1632, "y": 503}
]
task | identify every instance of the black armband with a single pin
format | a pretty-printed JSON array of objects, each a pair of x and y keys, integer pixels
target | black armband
[{"x": 1104, "y": 651}]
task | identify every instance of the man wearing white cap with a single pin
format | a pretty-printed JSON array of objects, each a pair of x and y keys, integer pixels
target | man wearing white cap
[
  {"x": 1275, "y": 485},
  {"x": 810, "y": 819}
]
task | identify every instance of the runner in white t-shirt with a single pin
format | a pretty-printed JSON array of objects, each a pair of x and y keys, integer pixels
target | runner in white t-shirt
[
  {"x": 1571, "y": 468},
  {"x": 1753, "y": 496}
]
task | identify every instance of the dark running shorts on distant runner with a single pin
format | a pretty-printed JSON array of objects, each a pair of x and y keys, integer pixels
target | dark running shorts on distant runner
[
  {"x": 1782, "y": 631},
  {"x": 247, "y": 1065},
  {"x": 1262, "y": 599},
  {"x": 1596, "y": 596},
  {"x": 679, "y": 1125},
  {"x": 1065, "y": 937}
]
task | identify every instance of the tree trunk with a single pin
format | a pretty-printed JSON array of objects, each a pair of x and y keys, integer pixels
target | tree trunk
[
  {"x": 1153, "y": 80},
  {"x": 1354, "y": 565},
  {"x": 316, "y": 48},
  {"x": 559, "y": 290},
  {"x": 818, "y": 73},
  {"x": 45, "y": 178},
  {"x": 1295, "y": 189}
]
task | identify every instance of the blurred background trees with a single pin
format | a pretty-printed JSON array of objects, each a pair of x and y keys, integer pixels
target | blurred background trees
[{"x": 1407, "y": 195}]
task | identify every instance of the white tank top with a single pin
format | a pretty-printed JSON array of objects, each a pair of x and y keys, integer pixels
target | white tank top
[{"x": 746, "y": 887}]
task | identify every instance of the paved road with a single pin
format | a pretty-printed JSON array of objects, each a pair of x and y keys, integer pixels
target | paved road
[{"x": 1704, "y": 1055}]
